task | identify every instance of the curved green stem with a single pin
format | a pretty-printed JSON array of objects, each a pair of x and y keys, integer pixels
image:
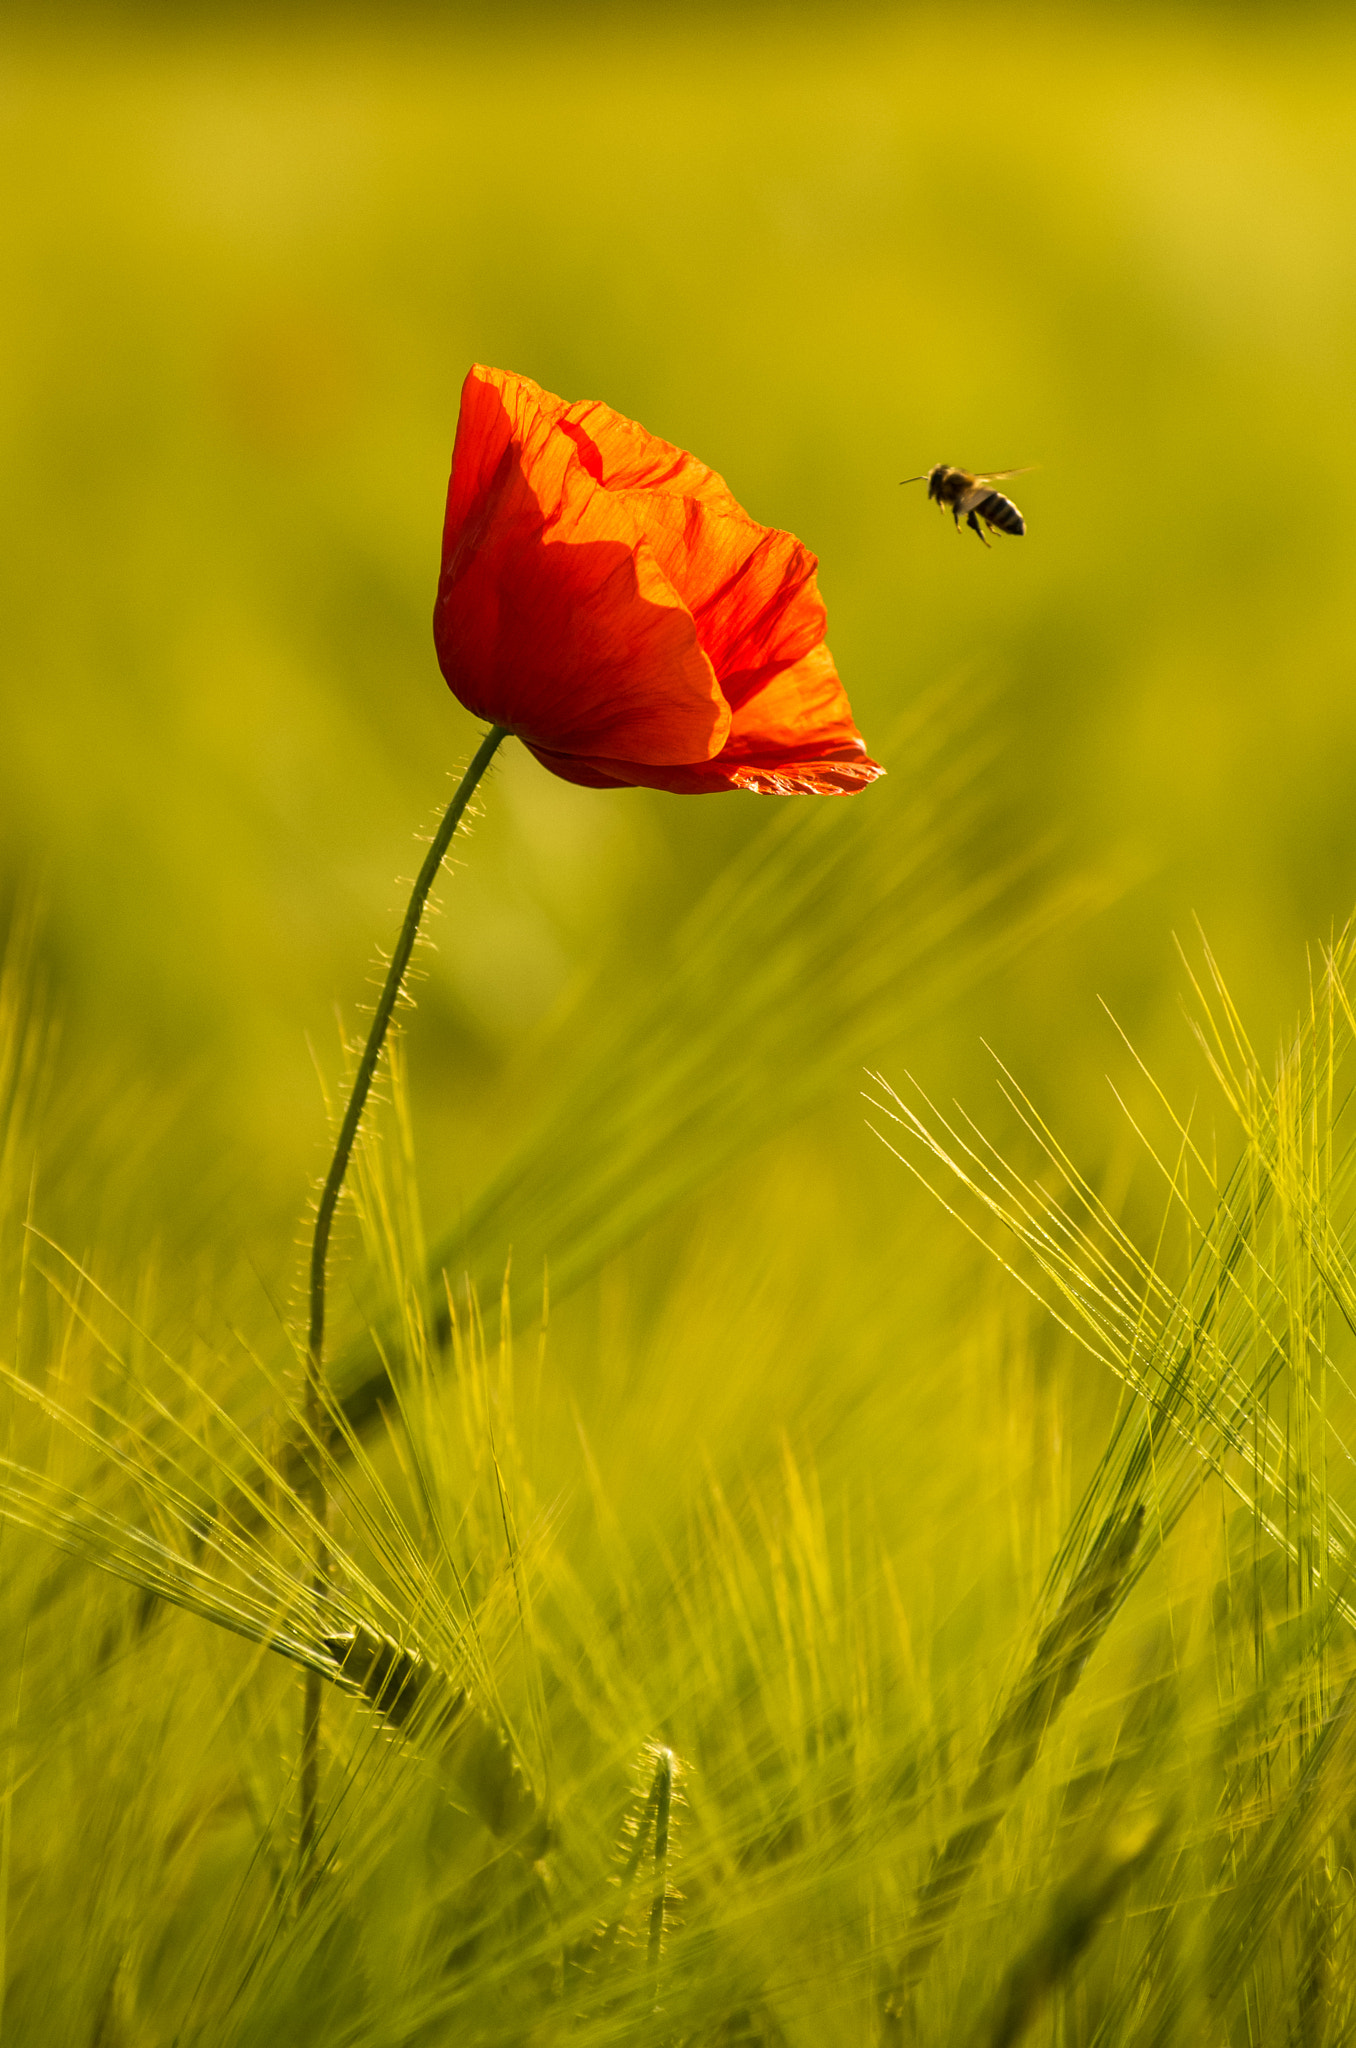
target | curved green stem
[{"x": 324, "y": 1221}]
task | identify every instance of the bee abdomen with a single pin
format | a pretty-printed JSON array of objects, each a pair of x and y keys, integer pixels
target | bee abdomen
[{"x": 1002, "y": 513}]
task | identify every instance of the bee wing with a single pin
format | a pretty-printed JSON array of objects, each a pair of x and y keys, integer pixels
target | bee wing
[{"x": 995, "y": 476}]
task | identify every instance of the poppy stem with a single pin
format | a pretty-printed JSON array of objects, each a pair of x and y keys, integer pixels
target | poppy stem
[{"x": 314, "y": 1409}]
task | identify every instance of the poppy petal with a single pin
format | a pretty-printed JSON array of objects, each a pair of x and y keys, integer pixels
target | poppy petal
[
  {"x": 793, "y": 711},
  {"x": 586, "y": 773},
  {"x": 796, "y": 735},
  {"x": 622, "y": 456},
  {"x": 604, "y": 596},
  {"x": 554, "y": 616},
  {"x": 775, "y": 776},
  {"x": 751, "y": 589}
]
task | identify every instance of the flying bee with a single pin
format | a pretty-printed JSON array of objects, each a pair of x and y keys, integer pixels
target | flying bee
[{"x": 968, "y": 494}]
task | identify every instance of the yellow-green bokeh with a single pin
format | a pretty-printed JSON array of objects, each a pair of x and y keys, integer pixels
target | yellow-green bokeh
[{"x": 247, "y": 266}]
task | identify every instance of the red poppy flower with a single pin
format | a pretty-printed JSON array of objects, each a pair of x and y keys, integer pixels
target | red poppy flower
[{"x": 604, "y": 597}]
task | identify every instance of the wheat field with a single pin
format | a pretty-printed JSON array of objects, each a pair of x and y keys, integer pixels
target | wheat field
[{"x": 839, "y": 1415}]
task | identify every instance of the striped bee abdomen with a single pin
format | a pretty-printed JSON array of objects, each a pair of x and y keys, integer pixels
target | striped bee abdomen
[{"x": 1002, "y": 513}]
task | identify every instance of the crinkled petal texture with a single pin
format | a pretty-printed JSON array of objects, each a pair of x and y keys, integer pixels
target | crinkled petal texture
[{"x": 604, "y": 597}]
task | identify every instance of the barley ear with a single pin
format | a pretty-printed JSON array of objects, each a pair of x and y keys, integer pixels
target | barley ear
[
  {"x": 1079, "y": 1909},
  {"x": 411, "y": 1694}
]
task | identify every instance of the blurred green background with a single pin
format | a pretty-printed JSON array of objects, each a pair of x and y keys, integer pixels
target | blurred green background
[
  {"x": 247, "y": 264},
  {"x": 246, "y": 259}
]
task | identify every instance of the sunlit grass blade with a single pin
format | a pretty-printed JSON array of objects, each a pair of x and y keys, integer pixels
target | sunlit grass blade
[
  {"x": 1202, "y": 1358},
  {"x": 1233, "y": 1375},
  {"x": 1013, "y": 1746}
]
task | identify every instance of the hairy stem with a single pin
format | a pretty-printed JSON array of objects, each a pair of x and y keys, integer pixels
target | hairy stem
[
  {"x": 662, "y": 1796},
  {"x": 320, "y": 1244}
]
